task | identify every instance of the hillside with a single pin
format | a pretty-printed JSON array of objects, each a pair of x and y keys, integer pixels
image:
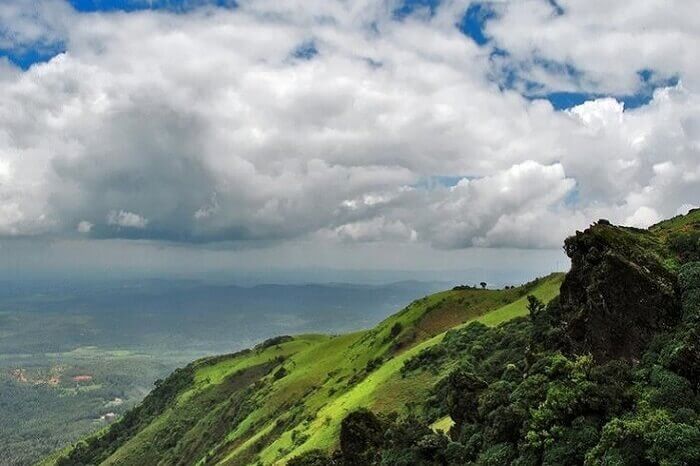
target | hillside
[
  {"x": 124, "y": 334},
  {"x": 604, "y": 371}
]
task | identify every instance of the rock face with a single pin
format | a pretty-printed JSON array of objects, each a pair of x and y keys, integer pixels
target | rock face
[{"x": 617, "y": 295}]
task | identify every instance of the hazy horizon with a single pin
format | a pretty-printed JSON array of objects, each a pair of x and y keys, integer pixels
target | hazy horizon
[{"x": 105, "y": 260}]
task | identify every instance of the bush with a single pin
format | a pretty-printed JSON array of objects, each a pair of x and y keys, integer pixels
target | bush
[
  {"x": 273, "y": 342},
  {"x": 395, "y": 330},
  {"x": 279, "y": 373}
]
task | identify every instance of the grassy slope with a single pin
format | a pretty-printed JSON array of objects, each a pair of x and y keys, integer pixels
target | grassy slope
[
  {"x": 384, "y": 389},
  {"x": 679, "y": 224},
  {"x": 545, "y": 291},
  {"x": 326, "y": 377}
]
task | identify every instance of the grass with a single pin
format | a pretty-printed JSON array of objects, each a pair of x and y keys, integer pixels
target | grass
[
  {"x": 443, "y": 425},
  {"x": 677, "y": 224},
  {"x": 322, "y": 432},
  {"x": 215, "y": 373},
  {"x": 547, "y": 290}
]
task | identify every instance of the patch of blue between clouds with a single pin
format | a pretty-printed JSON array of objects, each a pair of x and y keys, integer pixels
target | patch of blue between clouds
[
  {"x": 474, "y": 21},
  {"x": 178, "y": 6},
  {"x": 439, "y": 181},
  {"x": 473, "y": 25},
  {"x": 572, "y": 198},
  {"x": 409, "y": 7},
  {"x": 648, "y": 84},
  {"x": 305, "y": 51},
  {"x": 508, "y": 77},
  {"x": 26, "y": 57}
]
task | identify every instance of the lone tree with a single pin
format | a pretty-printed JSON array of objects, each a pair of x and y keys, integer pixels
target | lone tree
[
  {"x": 483, "y": 285},
  {"x": 535, "y": 306}
]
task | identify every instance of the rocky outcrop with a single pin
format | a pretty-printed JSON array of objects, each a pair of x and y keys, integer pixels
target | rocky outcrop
[{"x": 617, "y": 295}]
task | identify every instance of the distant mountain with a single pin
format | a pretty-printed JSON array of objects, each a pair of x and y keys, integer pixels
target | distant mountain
[
  {"x": 601, "y": 366},
  {"x": 186, "y": 314}
]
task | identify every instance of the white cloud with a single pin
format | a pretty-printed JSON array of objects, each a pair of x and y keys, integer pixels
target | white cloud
[
  {"x": 600, "y": 113},
  {"x": 32, "y": 23},
  {"x": 643, "y": 217},
  {"x": 521, "y": 206},
  {"x": 201, "y": 126},
  {"x": 84, "y": 227},
  {"x": 376, "y": 229},
  {"x": 607, "y": 43},
  {"x": 124, "y": 219},
  {"x": 5, "y": 171},
  {"x": 685, "y": 208}
]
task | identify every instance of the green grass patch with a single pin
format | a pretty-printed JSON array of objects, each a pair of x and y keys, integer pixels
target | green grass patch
[
  {"x": 443, "y": 425},
  {"x": 547, "y": 290}
]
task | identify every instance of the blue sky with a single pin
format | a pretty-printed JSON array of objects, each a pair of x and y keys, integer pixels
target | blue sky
[
  {"x": 26, "y": 57},
  {"x": 132, "y": 5}
]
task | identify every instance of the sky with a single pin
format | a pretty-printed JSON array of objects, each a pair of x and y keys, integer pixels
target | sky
[{"x": 403, "y": 135}]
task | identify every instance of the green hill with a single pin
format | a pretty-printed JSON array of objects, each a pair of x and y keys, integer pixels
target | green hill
[{"x": 562, "y": 370}]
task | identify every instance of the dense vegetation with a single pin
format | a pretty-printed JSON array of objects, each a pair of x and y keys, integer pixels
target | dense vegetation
[
  {"x": 607, "y": 372},
  {"x": 43, "y": 409}
]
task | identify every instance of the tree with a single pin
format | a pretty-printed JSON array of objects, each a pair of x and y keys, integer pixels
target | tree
[
  {"x": 535, "y": 306},
  {"x": 483, "y": 285},
  {"x": 361, "y": 436},
  {"x": 459, "y": 392}
]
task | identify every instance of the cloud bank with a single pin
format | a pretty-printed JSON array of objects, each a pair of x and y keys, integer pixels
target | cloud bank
[{"x": 342, "y": 122}]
